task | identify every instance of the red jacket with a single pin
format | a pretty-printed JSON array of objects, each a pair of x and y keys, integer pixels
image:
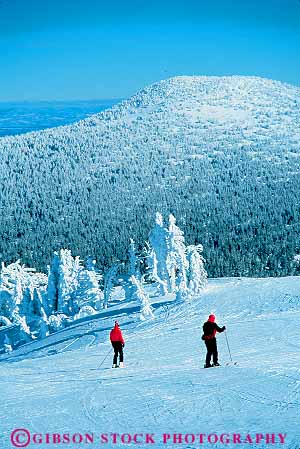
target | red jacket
[
  {"x": 210, "y": 328},
  {"x": 116, "y": 335}
]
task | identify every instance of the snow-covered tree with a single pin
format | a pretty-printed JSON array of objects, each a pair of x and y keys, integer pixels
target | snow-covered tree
[
  {"x": 167, "y": 257},
  {"x": 31, "y": 308},
  {"x": 37, "y": 305},
  {"x": 5, "y": 322},
  {"x": 177, "y": 262},
  {"x": 43, "y": 329},
  {"x": 26, "y": 303},
  {"x": 15, "y": 279},
  {"x": 53, "y": 284},
  {"x": 18, "y": 302},
  {"x": 133, "y": 269},
  {"x": 141, "y": 297},
  {"x": 88, "y": 292},
  {"x": 197, "y": 276},
  {"x": 158, "y": 239},
  {"x": 39, "y": 324},
  {"x": 63, "y": 282},
  {"x": 109, "y": 280},
  {"x": 15, "y": 301},
  {"x": 24, "y": 331}
]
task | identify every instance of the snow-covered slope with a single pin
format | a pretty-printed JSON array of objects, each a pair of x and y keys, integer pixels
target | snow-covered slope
[
  {"x": 57, "y": 385},
  {"x": 221, "y": 153}
]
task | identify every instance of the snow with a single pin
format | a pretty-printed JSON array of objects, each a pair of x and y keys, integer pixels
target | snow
[
  {"x": 56, "y": 384},
  {"x": 218, "y": 113},
  {"x": 297, "y": 258}
]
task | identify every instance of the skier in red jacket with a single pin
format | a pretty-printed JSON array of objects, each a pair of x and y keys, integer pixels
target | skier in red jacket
[
  {"x": 210, "y": 328},
  {"x": 118, "y": 344}
]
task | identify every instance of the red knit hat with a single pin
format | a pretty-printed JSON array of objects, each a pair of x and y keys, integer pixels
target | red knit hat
[{"x": 211, "y": 318}]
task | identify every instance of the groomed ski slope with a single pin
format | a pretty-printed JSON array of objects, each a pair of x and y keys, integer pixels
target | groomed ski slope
[{"x": 54, "y": 386}]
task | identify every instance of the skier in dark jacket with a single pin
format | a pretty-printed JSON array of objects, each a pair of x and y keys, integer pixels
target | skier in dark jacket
[
  {"x": 118, "y": 344},
  {"x": 210, "y": 328}
]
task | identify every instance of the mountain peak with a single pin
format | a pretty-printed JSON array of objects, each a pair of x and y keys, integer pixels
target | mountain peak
[{"x": 217, "y": 98}]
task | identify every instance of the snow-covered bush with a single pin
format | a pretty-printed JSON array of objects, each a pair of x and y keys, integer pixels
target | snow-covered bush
[
  {"x": 85, "y": 311},
  {"x": 57, "y": 322},
  {"x": 7, "y": 345}
]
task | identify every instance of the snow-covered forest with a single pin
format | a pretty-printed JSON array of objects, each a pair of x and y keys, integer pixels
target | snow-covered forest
[
  {"x": 220, "y": 153},
  {"x": 34, "y": 305}
]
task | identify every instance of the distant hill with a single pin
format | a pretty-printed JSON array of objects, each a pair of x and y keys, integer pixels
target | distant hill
[
  {"x": 220, "y": 153},
  {"x": 26, "y": 116}
]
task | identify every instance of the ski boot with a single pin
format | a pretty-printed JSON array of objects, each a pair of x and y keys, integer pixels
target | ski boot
[
  {"x": 121, "y": 365},
  {"x": 216, "y": 364},
  {"x": 208, "y": 366}
]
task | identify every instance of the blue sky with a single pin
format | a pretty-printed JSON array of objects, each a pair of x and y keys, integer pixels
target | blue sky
[{"x": 86, "y": 49}]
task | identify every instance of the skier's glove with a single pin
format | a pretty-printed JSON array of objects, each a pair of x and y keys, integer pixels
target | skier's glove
[
  {"x": 123, "y": 345},
  {"x": 224, "y": 328}
]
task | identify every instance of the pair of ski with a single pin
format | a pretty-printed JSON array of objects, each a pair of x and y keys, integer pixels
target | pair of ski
[{"x": 218, "y": 366}]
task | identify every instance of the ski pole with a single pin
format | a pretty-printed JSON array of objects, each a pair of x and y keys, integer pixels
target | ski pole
[
  {"x": 105, "y": 358},
  {"x": 228, "y": 346}
]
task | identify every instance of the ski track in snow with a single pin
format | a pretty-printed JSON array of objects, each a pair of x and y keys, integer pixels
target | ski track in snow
[{"x": 58, "y": 385}]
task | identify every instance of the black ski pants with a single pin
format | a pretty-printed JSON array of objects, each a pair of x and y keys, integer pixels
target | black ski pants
[
  {"x": 118, "y": 348},
  {"x": 211, "y": 346}
]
